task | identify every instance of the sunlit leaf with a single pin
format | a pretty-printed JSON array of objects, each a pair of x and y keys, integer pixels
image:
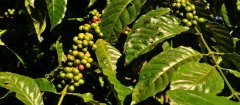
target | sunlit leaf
[
  {"x": 197, "y": 76},
  {"x": 190, "y": 97},
  {"x": 26, "y": 88},
  {"x": 107, "y": 57},
  {"x": 158, "y": 72},
  {"x": 150, "y": 30},
  {"x": 56, "y": 11},
  {"x": 117, "y": 15}
]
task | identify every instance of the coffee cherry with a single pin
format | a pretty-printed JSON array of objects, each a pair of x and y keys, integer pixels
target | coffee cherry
[
  {"x": 81, "y": 81},
  {"x": 189, "y": 24},
  {"x": 76, "y": 84},
  {"x": 194, "y": 22},
  {"x": 84, "y": 49},
  {"x": 79, "y": 46},
  {"x": 90, "y": 43},
  {"x": 94, "y": 25},
  {"x": 80, "y": 55},
  {"x": 189, "y": 15},
  {"x": 178, "y": 1},
  {"x": 81, "y": 67},
  {"x": 88, "y": 65},
  {"x": 62, "y": 75},
  {"x": 85, "y": 43},
  {"x": 59, "y": 86},
  {"x": 75, "y": 71},
  {"x": 201, "y": 20},
  {"x": 87, "y": 54},
  {"x": 178, "y": 5},
  {"x": 174, "y": 4},
  {"x": 181, "y": 14},
  {"x": 84, "y": 61},
  {"x": 75, "y": 53},
  {"x": 192, "y": 7},
  {"x": 195, "y": 17},
  {"x": 89, "y": 60},
  {"x": 71, "y": 88},
  {"x": 81, "y": 36},
  {"x": 67, "y": 69},
  {"x": 70, "y": 64},
  {"x": 74, "y": 47},
  {"x": 63, "y": 82},
  {"x": 77, "y": 62},
  {"x": 76, "y": 78},
  {"x": 70, "y": 57},
  {"x": 188, "y": 8},
  {"x": 86, "y": 37},
  {"x": 94, "y": 47},
  {"x": 75, "y": 39},
  {"x": 185, "y": 21},
  {"x": 69, "y": 75}
]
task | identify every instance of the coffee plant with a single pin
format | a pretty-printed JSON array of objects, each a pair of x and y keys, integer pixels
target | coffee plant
[{"x": 119, "y": 52}]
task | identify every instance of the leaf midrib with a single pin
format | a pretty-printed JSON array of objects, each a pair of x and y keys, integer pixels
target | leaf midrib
[
  {"x": 159, "y": 75},
  {"x": 194, "y": 83}
]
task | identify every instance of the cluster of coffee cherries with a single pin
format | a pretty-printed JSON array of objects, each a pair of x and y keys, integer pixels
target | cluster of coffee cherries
[
  {"x": 9, "y": 14},
  {"x": 127, "y": 30},
  {"x": 79, "y": 57},
  {"x": 186, "y": 10}
]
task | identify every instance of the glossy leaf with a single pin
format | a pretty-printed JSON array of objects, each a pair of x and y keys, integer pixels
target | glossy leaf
[
  {"x": 220, "y": 36},
  {"x": 26, "y": 88},
  {"x": 190, "y": 97},
  {"x": 45, "y": 85},
  {"x": 197, "y": 76},
  {"x": 107, "y": 57},
  {"x": 117, "y": 15},
  {"x": 150, "y": 30},
  {"x": 158, "y": 72},
  {"x": 232, "y": 59},
  {"x": 56, "y": 11}
]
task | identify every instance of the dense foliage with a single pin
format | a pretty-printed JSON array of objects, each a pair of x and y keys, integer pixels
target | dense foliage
[{"x": 119, "y": 52}]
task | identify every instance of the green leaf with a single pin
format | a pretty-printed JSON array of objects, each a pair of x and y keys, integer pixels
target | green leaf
[
  {"x": 220, "y": 36},
  {"x": 60, "y": 52},
  {"x": 197, "y": 76},
  {"x": 30, "y": 3},
  {"x": 190, "y": 97},
  {"x": 2, "y": 32},
  {"x": 87, "y": 97},
  {"x": 107, "y": 57},
  {"x": 150, "y": 30},
  {"x": 26, "y": 88},
  {"x": 38, "y": 22},
  {"x": 158, "y": 72},
  {"x": 234, "y": 72},
  {"x": 91, "y": 3},
  {"x": 232, "y": 59},
  {"x": 56, "y": 11},
  {"x": 225, "y": 15},
  {"x": 117, "y": 15},
  {"x": 45, "y": 85}
]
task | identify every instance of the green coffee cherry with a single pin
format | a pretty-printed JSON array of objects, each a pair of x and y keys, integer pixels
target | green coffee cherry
[
  {"x": 75, "y": 71},
  {"x": 178, "y": 5},
  {"x": 75, "y": 53},
  {"x": 84, "y": 61},
  {"x": 77, "y": 62},
  {"x": 69, "y": 76},
  {"x": 81, "y": 55},
  {"x": 189, "y": 24},
  {"x": 188, "y": 8},
  {"x": 67, "y": 69},
  {"x": 62, "y": 75},
  {"x": 194, "y": 22},
  {"x": 201, "y": 20},
  {"x": 88, "y": 65},
  {"x": 81, "y": 36},
  {"x": 71, "y": 88},
  {"x": 76, "y": 84},
  {"x": 81, "y": 81},
  {"x": 185, "y": 21},
  {"x": 189, "y": 15}
]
